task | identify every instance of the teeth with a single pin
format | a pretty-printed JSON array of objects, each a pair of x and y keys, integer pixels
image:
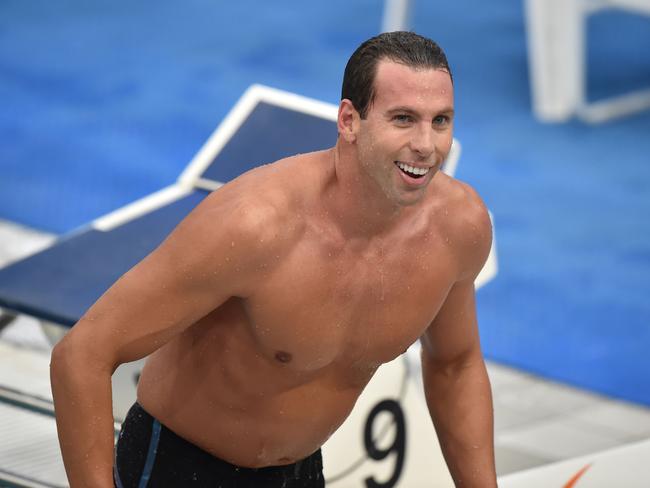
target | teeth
[{"x": 412, "y": 170}]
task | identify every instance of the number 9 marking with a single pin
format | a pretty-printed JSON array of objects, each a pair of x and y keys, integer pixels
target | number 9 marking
[{"x": 398, "y": 446}]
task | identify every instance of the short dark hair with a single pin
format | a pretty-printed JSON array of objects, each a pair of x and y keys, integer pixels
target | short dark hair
[{"x": 407, "y": 48}]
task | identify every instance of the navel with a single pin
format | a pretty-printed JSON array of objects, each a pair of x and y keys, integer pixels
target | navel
[{"x": 283, "y": 357}]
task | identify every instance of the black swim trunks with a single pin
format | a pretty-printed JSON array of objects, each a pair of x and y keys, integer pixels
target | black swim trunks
[{"x": 150, "y": 455}]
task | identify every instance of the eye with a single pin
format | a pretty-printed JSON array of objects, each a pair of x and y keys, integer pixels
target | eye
[
  {"x": 403, "y": 119},
  {"x": 441, "y": 120}
]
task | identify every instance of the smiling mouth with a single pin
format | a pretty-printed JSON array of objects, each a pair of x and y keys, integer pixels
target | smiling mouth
[{"x": 411, "y": 171}]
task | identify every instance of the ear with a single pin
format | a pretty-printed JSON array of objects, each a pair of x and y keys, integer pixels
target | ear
[{"x": 348, "y": 121}]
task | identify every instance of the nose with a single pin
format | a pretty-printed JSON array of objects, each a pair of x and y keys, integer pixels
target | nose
[{"x": 422, "y": 141}]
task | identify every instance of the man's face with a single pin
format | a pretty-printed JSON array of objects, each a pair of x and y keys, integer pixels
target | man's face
[{"x": 407, "y": 132}]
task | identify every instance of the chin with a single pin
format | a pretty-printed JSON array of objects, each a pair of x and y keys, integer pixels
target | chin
[{"x": 410, "y": 200}]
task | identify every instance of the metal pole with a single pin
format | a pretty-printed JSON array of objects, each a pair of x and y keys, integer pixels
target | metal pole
[{"x": 396, "y": 15}]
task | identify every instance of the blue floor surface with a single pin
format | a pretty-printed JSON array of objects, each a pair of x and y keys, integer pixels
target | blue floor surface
[{"x": 104, "y": 102}]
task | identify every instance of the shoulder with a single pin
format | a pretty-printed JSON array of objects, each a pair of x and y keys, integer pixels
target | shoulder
[
  {"x": 258, "y": 214},
  {"x": 247, "y": 220},
  {"x": 468, "y": 206},
  {"x": 469, "y": 226},
  {"x": 246, "y": 212}
]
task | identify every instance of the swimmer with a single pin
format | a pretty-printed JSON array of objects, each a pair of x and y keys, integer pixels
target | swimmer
[{"x": 265, "y": 313}]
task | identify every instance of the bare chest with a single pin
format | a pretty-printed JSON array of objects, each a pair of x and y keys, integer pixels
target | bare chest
[{"x": 356, "y": 309}]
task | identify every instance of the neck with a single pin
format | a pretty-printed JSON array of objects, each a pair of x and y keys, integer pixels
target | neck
[{"x": 356, "y": 202}]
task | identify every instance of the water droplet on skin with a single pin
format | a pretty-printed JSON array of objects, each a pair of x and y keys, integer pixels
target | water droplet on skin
[{"x": 232, "y": 244}]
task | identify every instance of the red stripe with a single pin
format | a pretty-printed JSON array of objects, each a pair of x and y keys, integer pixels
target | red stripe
[{"x": 572, "y": 482}]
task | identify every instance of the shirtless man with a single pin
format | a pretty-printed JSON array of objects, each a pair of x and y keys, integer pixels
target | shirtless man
[{"x": 269, "y": 308}]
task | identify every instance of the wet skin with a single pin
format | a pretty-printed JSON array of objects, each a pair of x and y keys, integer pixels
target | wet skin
[
  {"x": 267, "y": 311},
  {"x": 269, "y": 375}
]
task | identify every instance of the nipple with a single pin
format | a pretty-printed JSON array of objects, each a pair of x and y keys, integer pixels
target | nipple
[{"x": 283, "y": 357}]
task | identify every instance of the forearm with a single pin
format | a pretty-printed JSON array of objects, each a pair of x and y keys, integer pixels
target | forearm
[
  {"x": 84, "y": 417},
  {"x": 460, "y": 402}
]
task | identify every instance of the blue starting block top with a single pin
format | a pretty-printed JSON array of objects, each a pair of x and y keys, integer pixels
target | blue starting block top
[{"x": 60, "y": 283}]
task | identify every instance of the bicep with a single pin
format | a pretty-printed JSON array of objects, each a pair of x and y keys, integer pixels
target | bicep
[
  {"x": 196, "y": 269},
  {"x": 453, "y": 334}
]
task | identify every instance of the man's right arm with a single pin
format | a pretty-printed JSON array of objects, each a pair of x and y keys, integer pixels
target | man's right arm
[{"x": 211, "y": 256}]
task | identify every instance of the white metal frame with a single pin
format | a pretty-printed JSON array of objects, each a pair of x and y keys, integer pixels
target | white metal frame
[
  {"x": 237, "y": 115},
  {"x": 556, "y": 53},
  {"x": 142, "y": 206}
]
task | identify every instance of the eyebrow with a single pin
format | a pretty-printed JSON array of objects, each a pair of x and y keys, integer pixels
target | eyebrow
[
  {"x": 446, "y": 111},
  {"x": 400, "y": 109}
]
